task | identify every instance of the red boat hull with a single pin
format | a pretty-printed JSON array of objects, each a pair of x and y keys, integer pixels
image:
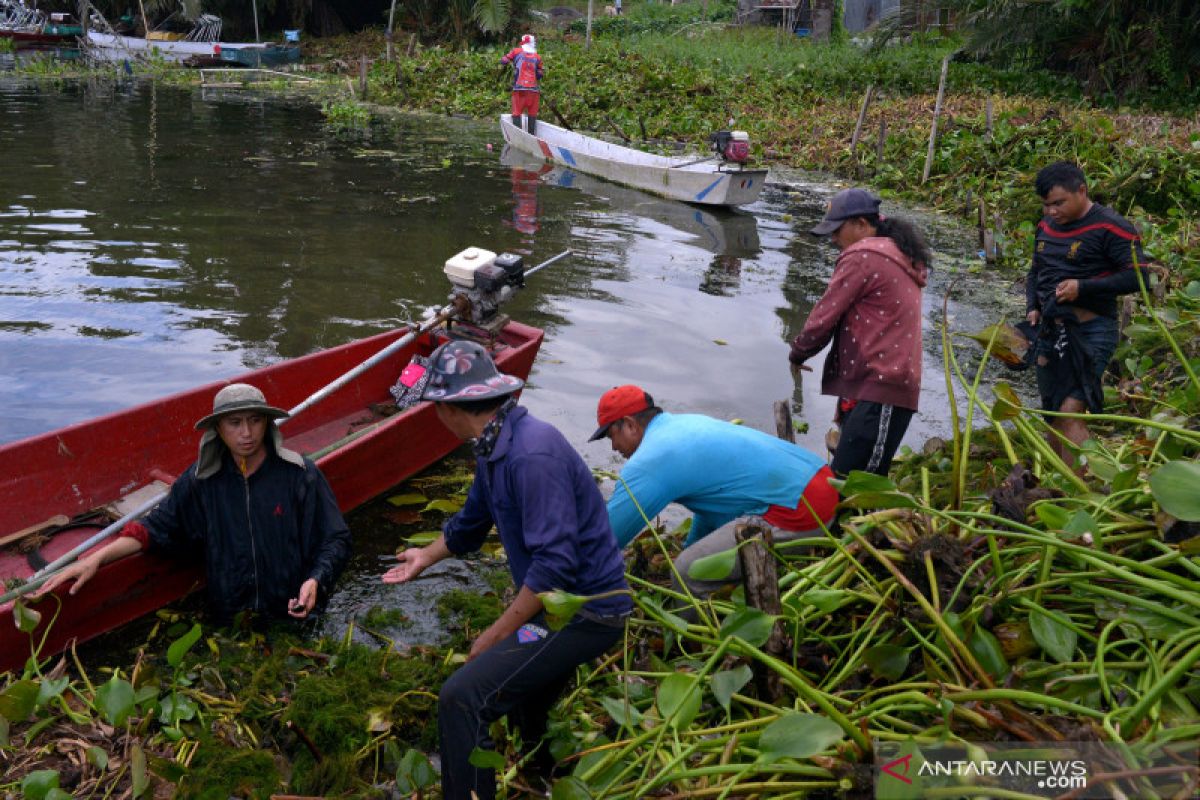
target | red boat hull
[
  {"x": 28, "y": 37},
  {"x": 82, "y": 467}
]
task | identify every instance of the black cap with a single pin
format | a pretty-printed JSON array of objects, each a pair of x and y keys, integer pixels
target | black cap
[{"x": 846, "y": 204}]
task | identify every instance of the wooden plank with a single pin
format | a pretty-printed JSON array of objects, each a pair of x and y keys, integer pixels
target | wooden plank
[{"x": 58, "y": 520}]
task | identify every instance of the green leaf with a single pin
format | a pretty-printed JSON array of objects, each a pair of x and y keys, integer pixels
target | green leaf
[
  {"x": 25, "y": 618},
  {"x": 486, "y": 759},
  {"x": 1176, "y": 487},
  {"x": 570, "y": 788},
  {"x": 36, "y": 785},
  {"x": 867, "y": 490},
  {"x": 715, "y": 567},
  {"x": 51, "y": 688},
  {"x": 826, "y": 600},
  {"x": 137, "y": 771},
  {"x": 560, "y": 607},
  {"x": 4, "y": 729},
  {"x": 165, "y": 768},
  {"x": 679, "y": 699},
  {"x": 987, "y": 651},
  {"x": 97, "y": 757},
  {"x": 423, "y": 538},
  {"x": 1007, "y": 405},
  {"x": 180, "y": 646},
  {"x": 1055, "y": 638},
  {"x": 19, "y": 700},
  {"x": 625, "y": 715},
  {"x": 749, "y": 624},
  {"x": 176, "y": 708},
  {"x": 58, "y": 794},
  {"x": 888, "y": 661},
  {"x": 726, "y": 683},
  {"x": 447, "y": 506},
  {"x": 1053, "y": 517},
  {"x": 797, "y": 736},
  {"x": 408, "y": 499},
  {"x": 115, "y": 700},
  {"x": 415, "y": 772}
]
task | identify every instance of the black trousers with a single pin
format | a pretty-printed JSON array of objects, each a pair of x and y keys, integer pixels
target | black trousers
[
  {"x": 871, "y": 433},
  {"x": 521, "y": 677}
]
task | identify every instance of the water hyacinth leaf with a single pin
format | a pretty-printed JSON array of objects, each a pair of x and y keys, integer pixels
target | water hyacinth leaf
[
  {"x": 1081, "y": 522},
  {"x": 19, "y": 700},
  {"x": 414, "y": 772},
  {"x": 138, "y": 775},
  {"x": 25, "y": 618},
  {"x": 486, "y": 759},
  {"x": 4, "y": 729},
  {"x": 180, "y": 646},
  {"x": 36, "y": 785},
  {"x": 58, "y": 794},
  {"x": 408, "y": 499},
  {"x": 727, "y": 682},
  {"x": 1054, "y": 517},
  {"x": 797, "y": 736},
  {"x": 115, "y": 700},
  {"x": 826, "y": 600},
  {"x": 623, "y": 714},
  {"x": 423, "y": 538},
  {"x": 97, "y": 757},
  {"x": 570, "y": 788},
  {"x": 714, "y": 567},
  {"x": 749, "y": 624},
  {"x": 51, "y": 688},
  {"x": 1176, "y": 487},
  {"x": 176, "y": 708},
  {"x": 887, "y": 661},
  {"x": 560, "y": 607},
  {"x": 1056, "y": 639},
  {"x": 679, "y": 699},
  {"x": 444, "y": 505},
  {"x": 987, "y": 651},
  {"x": 1008, "y": 343},
  {"x": 1007, "y": 405},
  {"x": 867, "y": 490}
]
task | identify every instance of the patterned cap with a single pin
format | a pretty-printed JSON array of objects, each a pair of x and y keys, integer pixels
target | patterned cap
[{"x": 463, "y": 371}]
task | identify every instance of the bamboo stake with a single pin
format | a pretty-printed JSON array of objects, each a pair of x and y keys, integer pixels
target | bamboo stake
[
  {"x": 880, "y": 144},
  {"x": 362, "y": 78},
  {"x": 862, "y": 116},
  {"x": 988, "y": 113},
  {"x": 937, "y": 111}
]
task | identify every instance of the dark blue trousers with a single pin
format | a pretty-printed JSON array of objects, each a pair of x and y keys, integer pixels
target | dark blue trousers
[{"x": 521, "y": 677}]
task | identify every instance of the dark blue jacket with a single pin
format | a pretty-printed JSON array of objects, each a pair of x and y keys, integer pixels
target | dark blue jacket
[
  {"x": 551, "y": 517},
  {"x": 260, "y": 538}
]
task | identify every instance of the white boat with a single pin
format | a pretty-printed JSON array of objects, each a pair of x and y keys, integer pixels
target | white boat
[
  {"x": 114, "y": 47},
  {"x": 706, "y": 181}
]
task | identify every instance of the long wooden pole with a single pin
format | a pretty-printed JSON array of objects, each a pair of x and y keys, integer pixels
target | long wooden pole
[
  {"x": 862, "y": 116},
  {"x": 937, "y": 111},
  {"x": 391, "y": 20},
  {"x": 588, "y": 40},
  {"x": 254, "y": 6}
]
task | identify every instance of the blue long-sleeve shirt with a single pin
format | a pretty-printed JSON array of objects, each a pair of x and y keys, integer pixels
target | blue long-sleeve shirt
[
  {"x": 544, "y": 502},
  {"x": 717, "y": 470}
]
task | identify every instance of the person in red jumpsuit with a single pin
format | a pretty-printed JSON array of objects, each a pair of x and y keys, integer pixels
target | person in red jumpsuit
[{"x": 527, "y": 73}]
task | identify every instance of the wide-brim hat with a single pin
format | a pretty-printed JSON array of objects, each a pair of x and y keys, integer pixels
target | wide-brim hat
[
  {"x": 846, "y": 204},
  {"x": 463, "y": 371},
  {"x": 239, "y": 397}
]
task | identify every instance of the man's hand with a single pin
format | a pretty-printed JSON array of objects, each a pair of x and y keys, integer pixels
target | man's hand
[
  {"x": 81, "y": 572},
  {"x": 1067, "y": 291},
  {"x": 413, "y": 562},
  {"x": 1034, "y": 317},
  {"x": 798, "y": 368},
  {"x": 484, "y": 642},
  {"x": 302, "y": 605}
]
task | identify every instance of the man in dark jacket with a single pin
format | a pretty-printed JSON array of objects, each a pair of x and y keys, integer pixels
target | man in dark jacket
[
  {"x": 1083, "y": 257},
  {"x": 261, "y": 516},
  {"x": 540, "y": 496}
]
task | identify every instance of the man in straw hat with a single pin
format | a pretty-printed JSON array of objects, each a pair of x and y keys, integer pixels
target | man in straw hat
[
  {"x": 261, "y": 516},
  {"x": 541, "y": 498}
]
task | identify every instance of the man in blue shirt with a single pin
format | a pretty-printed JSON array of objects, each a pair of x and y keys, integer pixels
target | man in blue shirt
[
  {"x": 540, "y": 496},
  {"x": 719, "y": 471}
]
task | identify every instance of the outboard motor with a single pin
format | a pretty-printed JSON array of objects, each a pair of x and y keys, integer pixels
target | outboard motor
[{"x": 732, "y": 146}]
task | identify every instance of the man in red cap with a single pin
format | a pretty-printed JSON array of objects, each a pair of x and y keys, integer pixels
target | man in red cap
[
  {"x": 527, "y": 72},
  {"x": 719, "y": 471}
]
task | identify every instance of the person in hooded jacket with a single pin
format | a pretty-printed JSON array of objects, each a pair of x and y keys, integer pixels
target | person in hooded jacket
[
  {"x": 263, "y": 518},
  {"x": 872, "y": 312},
  {"x": 527, "y": 73}
]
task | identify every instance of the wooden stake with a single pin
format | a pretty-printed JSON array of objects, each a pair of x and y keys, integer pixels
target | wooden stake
[
  {"x": 987, "y": 135},
  {"x": 862, "y": 116},
  {"x": 761, "y": 583},
  {"x": 937, "y": 112},
  {"x": 880, "y": 144},
  {"x": 362, "y": 78},
  {"x": 390, "y": 29},
  {"x": 588, "y": 40},
  {"x": 783, "y": 422}
]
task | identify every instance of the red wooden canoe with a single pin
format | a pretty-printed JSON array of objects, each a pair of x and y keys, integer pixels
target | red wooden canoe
[{"x": 78, "y": 469}]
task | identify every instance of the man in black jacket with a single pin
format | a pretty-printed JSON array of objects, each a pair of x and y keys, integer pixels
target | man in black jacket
[
  {"x": 262, "y": 517},
  {"x": 1084, "y": 256}
]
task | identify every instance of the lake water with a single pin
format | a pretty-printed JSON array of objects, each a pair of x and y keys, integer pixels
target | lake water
[{"x": 154, "y": 238}]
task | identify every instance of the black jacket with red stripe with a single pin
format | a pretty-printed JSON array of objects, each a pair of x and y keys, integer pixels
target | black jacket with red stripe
[{"x": 1098, "y": 250}]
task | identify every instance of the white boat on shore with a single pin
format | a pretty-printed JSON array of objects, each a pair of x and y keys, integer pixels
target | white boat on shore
[
  {"x": 114, "y": 47},
  {"x": 708, "y": 181}
]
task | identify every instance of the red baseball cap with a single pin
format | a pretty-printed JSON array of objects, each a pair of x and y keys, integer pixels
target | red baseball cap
[{"x": 618, "y": 403}]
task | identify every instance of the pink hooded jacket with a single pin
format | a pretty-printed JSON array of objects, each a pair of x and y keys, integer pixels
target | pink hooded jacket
[{"x": 872, "y": 311}]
